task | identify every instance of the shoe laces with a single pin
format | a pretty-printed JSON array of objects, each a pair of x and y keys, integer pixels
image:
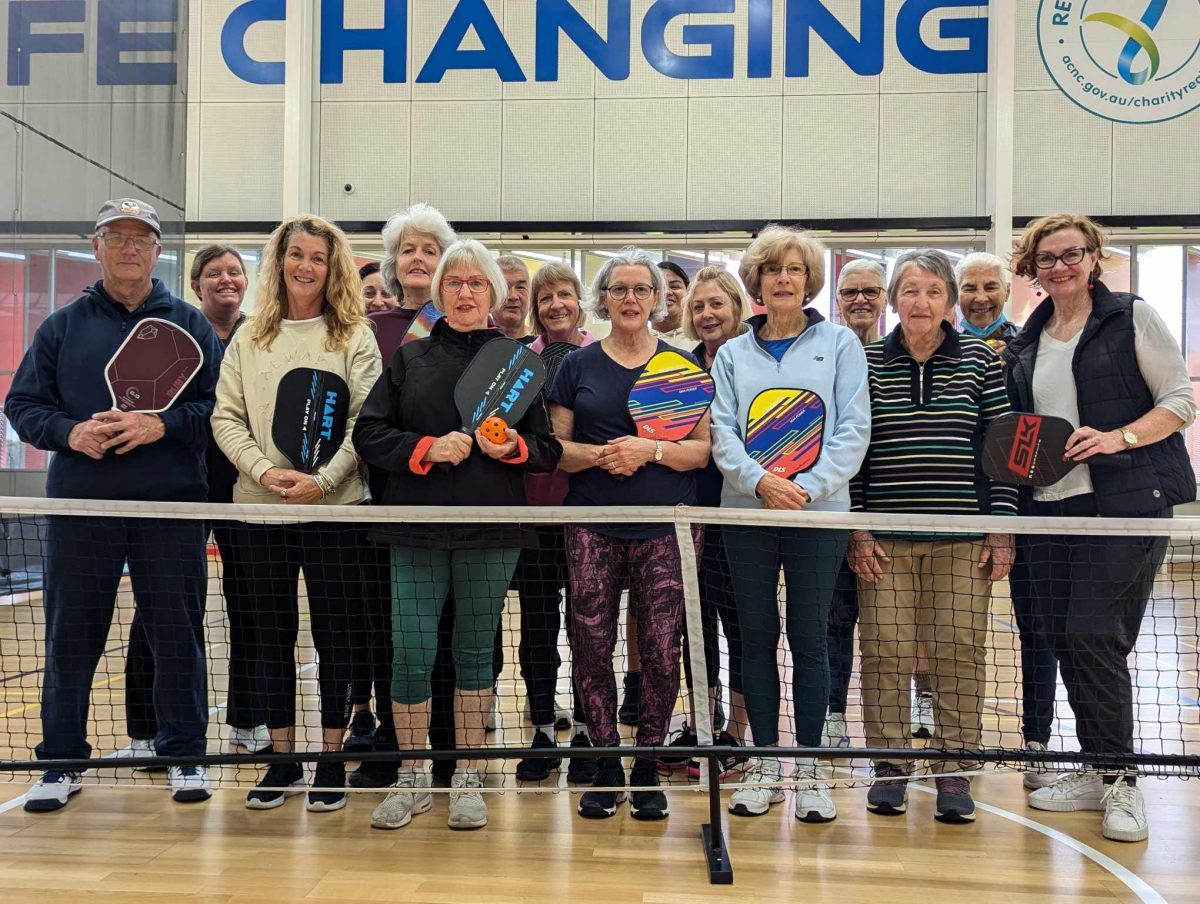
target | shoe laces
[
  {"x": 890, "y": 771},
  {"x": 1071, "y": 781},
  {"x": 467, "y": 781},
  {"x": 188, "y": 771},
  {"x": 953, "y": 784},
  {"x": 55, "y": 776},
  {"x": 1121, "y": 796}
]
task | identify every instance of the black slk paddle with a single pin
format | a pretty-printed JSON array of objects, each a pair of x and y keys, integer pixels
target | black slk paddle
[{"x": 1027, "y": 449}]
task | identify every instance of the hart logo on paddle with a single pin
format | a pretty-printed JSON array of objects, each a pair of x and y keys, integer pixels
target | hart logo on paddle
[
  {"x": 311, "y": 409},
  {"x": 515, "y": 393},
  {"x": 503, "y": 377},
  {"x": 327, "y": 417},
  {"x": 1024, "y": 447}
]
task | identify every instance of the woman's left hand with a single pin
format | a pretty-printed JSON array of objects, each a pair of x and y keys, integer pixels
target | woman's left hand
[
  {"x": 999, "y": 553},
  {"x": 296, "y": 488},
  {"x": 1088, "y": 441},
  {"x": 625, "y": 454},
  {"x": 500, "y": 450}
]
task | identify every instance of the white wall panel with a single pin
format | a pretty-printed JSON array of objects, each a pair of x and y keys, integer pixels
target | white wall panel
[
  {"x": 828, "y": 72},
  {"x": 241, "y": 170},
  {"x": 547, "y": 160},
  {"x": 1031, "y": 71},
  {"x": 641, "y": 159},
  {"x": 644, "y": 80},
  {"x": 900, "y": 76},
  {"x": 1062, "y": 156},
  {"x": 55, "y": 184},
  {"x": 1156, "y": 170},
  {"x": 144, "y": 162},
  {"x": 927, "y": 155},
  {"x": 740, "y": 85},
  {"x": 367, "y": 146},
  {"x": 735, "y": 157},
  {"x": 830, "y": 157},
  {"x": 455, "y": 154}
]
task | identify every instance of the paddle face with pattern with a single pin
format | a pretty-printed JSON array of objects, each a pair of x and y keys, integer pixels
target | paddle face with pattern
[
  {"x": 1027, "y": 449},
  {"x": 422, "y": 324},
  {"x": 552, "y": 357},
  {"x": 502, "y": 379},
  {"x": 311, "y": 409},
  {"x": 785, "y": 429},
  {"x": 669, "y": 397},
  {"x": 155, "y": 363}
]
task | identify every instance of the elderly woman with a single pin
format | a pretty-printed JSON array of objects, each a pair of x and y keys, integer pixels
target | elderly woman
[
  {"x": 672, "y": 329},
  {"x": 610, "y": 465},
  {"x": 984, "y": 284},
  {"x": 928, "y": 381},
  {"x": 790, "y": 346},
  {"x": 410, "y": 428},
  {"x": 558, "y": 316},
  {"x": 1107, "y": 362},
  {"x": 309, "y": 310},
  {"x": 377, "y": 297}
]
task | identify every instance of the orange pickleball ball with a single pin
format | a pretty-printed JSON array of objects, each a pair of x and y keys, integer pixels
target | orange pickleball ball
[{"x": 495, "y": 430}]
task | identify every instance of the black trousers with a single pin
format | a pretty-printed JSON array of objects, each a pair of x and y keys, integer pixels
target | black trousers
[
  {"x": 843, "y": 616},
  {"x": 377, "y": 678},
  {"x": 1088, "y": 595},
  {"x": 717, "y": 603}
]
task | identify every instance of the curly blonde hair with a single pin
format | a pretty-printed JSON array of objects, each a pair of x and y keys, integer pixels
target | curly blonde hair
[
  {"x": 772, "y": 246},
  {"x": 343, "y": 309},
  {"x": 1027, "y": 245}
]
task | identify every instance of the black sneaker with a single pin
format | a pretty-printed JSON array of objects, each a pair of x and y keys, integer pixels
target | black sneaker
[
  {"x": 954, "y": 802},
  {"x": 281, "y": 781},
  {"x": 647, "y": 805},
  {"x": 582, "y": 769},
  {"x": 631, "y": 704},
  {"x": 733, "y": 764},
  {"x": 683, "y": 737},
  {"x": 328, "y": 775},
  {"x": 603, "y": 804},
  {"x": 374, "y": 774},
  {"x": 362, "y": 734},
  {"x": 538, "y": 769}
]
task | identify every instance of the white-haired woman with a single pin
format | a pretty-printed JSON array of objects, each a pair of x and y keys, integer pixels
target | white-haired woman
[
  {"x": 409, "y": 427},
  {"x": 610, "y": 465},
  {"x": 984, "y": 284}
]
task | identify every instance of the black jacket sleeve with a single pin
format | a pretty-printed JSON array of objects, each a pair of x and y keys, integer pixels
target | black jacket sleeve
[
  {"x": 379, "y": 435},
  {"x": 544, "y": 449}
]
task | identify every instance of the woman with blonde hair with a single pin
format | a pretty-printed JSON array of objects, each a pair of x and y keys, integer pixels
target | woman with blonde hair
[{"x": 309, "y": 314}]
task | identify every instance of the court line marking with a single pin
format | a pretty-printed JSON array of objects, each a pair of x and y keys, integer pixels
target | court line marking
[{"x": 1135, "y": 883}]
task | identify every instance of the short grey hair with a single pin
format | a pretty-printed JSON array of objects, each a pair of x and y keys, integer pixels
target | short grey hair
[
  {"x": 419, "y": 217},
  {"x": 860, "y": 265},
  {"x": 629, "y": 256},
  {"x": 927, "y": 259},
  {"x": 470, "y": 251},
  {"x": 983, "y": 259},
  {"x": 510, "y": 262}
]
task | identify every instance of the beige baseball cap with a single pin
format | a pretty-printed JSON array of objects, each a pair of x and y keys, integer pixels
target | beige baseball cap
[{"x": 128, "y": 209}]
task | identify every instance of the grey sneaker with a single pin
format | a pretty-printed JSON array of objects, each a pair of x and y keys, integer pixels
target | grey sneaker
[
  {"x": 467, "y": 809},
  {"x": 888, "y": 795},
  {"x": 954, "y": 803},
  {"x": 408, "y": 797},
  {"x": 757, "y": 801},
  {"x": 1038, "y": 775}
]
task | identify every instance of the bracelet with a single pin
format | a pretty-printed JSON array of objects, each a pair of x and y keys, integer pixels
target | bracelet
[{"x": 323, "y": 484}]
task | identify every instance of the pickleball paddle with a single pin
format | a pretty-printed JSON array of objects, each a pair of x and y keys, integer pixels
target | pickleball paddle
[
  {"x": 785, "y": 429},
  {"x": 502, "y": 379},
  {"x": 1027, "y": 449},
  {"x": 152, "y": 366},
  {"x": 422, "y": 324},
  {"x": 669, "y": 397},
  {"x": 552, "y": 357},
  {"x": 309, "y": 424}
]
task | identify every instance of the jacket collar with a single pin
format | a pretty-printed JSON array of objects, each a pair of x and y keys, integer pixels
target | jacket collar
[
  {"x": 893, "y": 345},
  {"x": 758, "y": 321},
  {"x": 158, "y": 299},
  {"x": 1105, "y": 304},
  {"x": 444, "y": 332}
]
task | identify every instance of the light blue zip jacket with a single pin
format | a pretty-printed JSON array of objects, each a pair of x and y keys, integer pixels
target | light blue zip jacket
[{"x": 826, "y": 359}]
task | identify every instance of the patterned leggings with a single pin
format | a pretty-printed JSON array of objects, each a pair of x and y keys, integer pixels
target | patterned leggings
[{"x": 599, "y": 566}]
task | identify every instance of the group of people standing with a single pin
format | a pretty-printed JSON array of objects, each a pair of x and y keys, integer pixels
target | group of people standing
[{"x": 396, "y": 608}]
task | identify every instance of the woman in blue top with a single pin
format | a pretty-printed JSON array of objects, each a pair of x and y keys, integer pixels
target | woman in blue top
[
  {"x": 609, "y": 465},
  {"x": 791, "y": 346}
]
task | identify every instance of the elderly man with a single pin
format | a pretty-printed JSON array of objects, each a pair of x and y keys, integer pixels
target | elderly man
[
  {"x": 59, "y": 402},
  {"x": 513, "y": 317}
]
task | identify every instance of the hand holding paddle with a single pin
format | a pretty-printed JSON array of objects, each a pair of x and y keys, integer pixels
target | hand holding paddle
[
  {"x": 126, "y": 430},
  {"x": 1088, "y": 441},
  {"x": 452, "y": 448},
  {"x": 780, "y": 493}
]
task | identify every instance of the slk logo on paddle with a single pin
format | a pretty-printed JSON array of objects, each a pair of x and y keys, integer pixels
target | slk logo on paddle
[{"x": 1024, "y": 447}]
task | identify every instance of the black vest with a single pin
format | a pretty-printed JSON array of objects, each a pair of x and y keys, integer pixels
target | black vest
[{"x": 1111, "y": 394}]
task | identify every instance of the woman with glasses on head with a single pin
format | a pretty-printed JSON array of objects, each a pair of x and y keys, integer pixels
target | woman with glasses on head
[
  {"x": 1105, "y": 361},
  {"x": 790, "y": 346},
  {"x": 411, "y": 429},
  {"x": 610, "y": 465}
]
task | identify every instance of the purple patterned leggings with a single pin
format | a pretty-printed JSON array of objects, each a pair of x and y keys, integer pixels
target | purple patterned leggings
[{"x": 599, "y": 566}]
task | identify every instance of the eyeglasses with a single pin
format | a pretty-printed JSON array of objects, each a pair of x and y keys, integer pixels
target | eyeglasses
[
  {"x": 870, "y": 293},
  {"x": 115, "y": 240},
  {"x": 619, "y": 293},
  {"x": 476, "y": 285},
  {"x": 1044, "y": 260},
  {"x": 795, "y": 271}
]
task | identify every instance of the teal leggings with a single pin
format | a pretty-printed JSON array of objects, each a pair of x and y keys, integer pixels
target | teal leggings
[{"x": 421, "y": 579}]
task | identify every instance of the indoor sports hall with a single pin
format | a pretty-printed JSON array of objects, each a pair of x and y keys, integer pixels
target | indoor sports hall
[{"x": 599, "y": 450}]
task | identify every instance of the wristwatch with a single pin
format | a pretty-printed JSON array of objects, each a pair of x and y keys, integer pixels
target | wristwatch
[
  {"x": 658, "y": 450},
  {"x": 1131, "y": 438}
]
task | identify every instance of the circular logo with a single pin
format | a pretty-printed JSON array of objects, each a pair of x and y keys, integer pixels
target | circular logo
[{"x": 1135, "y": 61}]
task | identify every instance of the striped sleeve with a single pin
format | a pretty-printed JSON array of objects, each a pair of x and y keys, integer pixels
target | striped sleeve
[{"x": 993, "y": 402}]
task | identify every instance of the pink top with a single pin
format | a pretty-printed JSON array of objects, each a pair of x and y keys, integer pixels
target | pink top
[{"x": 550, "y": 489}]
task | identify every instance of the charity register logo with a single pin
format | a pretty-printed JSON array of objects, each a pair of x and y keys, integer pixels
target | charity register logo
[{"x": 1133, "y": 61}]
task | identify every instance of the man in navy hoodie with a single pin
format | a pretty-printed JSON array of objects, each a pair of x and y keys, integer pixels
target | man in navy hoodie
[{"x": 60, "y": 402}]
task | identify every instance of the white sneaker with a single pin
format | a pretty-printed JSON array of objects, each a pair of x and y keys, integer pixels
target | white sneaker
[
  {"x": 1082, "y": 790},
  {"x": 1038, "y": 775},
  {"x": 52, "y": 791},
  {"x": 140, "y": 748},
  {"x": 492, "y": 721},
  {"x": 757, "y": 801},
  {"x": 922, "y": 716},
  {"x": 467, "y": 809},
  {"x": 189, "y": 784},
  {"x": 250, "y": 739},
  {"x": 813, "y": 803},
  {"x": 835, "y": 733},
  {"x": 409, "y": 796},
  {"x": 1124, "y": 813}
]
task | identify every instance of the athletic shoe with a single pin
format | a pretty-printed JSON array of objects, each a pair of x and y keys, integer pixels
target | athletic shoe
[
  {"x": 492, "y": 721},
  {"x": 627, "y": 714},
  {"x": 467, "y": 809},
  {"x": 757, "y": 801},
  {"x": 1124, "y": 813},
  {"x": 1038, "y": 775},
  {"x": 281, "y": 782},
  {"x": 409, "y": 796},
  {"x": 730, "y": 765},
  {"x": 141, "y": 748},
  {"x": 602, "y": 804},
  {"x": 52, "y": 791},
  {"x": 888, "y": 795},
  {"x": 954, "y": 803},
  {"x": 813, "y": 802},
  {"x": 332, "y": 777},
  {"x": 374, "y": 774},
  {"x": 189, "y": 784},
  {"x": 682, "y": 737},
  {"x": 252, "y": 740},
  {"x": 361, "y": 738},
  {"x": 646, "y": 805},
  {"x": 922, "y": 716},
  {"x": 582, "y": 769},
  {"x": 538, "y": 769},
  {"x": 1083, "y": 790},
  {"x": 835, "y": 733}
]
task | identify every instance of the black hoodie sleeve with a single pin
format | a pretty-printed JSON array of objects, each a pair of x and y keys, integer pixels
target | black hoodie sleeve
[{"x": 379, "y": 435}]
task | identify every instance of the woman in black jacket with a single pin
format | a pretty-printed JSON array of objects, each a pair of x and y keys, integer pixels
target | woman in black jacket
[{"x": 409, "y": 427}]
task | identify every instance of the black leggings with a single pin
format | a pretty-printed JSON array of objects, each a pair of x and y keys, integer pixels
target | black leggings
[{"x": 716, "y": 602}]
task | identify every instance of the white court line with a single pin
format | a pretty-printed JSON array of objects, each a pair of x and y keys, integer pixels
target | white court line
[{"x": 1135, "y": 883}]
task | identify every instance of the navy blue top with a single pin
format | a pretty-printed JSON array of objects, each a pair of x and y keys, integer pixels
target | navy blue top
[
  {"x": 776, "y": 348},
  {"x": 596, "y": 389}
]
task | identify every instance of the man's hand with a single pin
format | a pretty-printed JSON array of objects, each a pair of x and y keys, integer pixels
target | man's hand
[
  {"x": 83, "y": 439},
  {"x": 866, "y": 556},
  {"x": 126, "y": 430}
]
